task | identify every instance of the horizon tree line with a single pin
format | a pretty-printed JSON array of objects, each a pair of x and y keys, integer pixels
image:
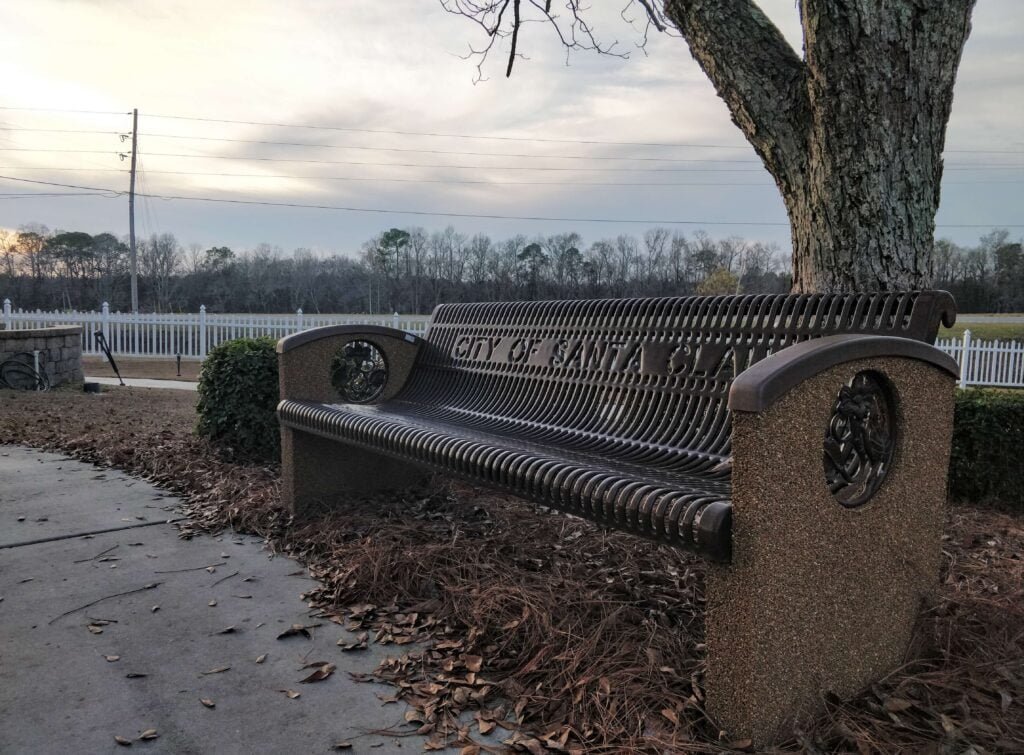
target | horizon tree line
[{"x": 410, "y": 270}]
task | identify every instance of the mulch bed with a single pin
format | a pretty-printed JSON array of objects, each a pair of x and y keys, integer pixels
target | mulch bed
[{"x": 542, "y": 633}]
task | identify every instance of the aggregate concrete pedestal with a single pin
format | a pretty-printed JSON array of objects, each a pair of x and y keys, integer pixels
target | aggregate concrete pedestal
[{"x": 821, "y": 598}]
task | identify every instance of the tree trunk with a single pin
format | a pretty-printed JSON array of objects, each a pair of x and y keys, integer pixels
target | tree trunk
[{"x": 853, "y": 133}]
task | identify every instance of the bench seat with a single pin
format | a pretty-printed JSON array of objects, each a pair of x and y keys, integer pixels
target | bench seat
[{"x": 642, "y": 488}]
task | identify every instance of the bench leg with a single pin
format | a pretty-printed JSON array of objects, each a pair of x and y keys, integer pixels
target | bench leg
[
  {"x": 820, "y": 598},
  {"x": 315, "y": 471}
]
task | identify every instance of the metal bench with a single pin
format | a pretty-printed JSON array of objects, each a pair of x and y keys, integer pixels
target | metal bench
[{"x": 799, "y": 442}]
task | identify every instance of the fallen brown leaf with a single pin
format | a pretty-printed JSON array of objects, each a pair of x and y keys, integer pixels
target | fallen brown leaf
[
  {"x": 320, "y": 674},
  {"x": 298, "y": 629},
  {"x": 358, "y": 644},
  {"x": 149, "y": 734},
  {"x": 123, "y": 741},
  {"x": 207, "y": 702},
  {"x": 292, "y": 694}
]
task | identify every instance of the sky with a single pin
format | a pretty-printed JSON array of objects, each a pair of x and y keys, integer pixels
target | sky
[{"x": 400, "y": 67}]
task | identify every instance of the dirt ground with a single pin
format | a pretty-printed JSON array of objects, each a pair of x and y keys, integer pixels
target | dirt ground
[
  {"x": 156, "y": 369},
  {"x": 546, "y": 632}
]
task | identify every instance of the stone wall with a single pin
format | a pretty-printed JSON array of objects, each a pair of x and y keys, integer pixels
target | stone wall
[{"x": 60, "y": 350}]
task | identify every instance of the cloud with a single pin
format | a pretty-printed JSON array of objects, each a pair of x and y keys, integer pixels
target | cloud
[{"x": 397, "y": 66}]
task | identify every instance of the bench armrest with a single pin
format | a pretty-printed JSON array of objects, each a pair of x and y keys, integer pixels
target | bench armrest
[
  {"x": 305, "y": 360},
  {"x": 758, "y": 388},
  {"x": 838, "y": 489}
]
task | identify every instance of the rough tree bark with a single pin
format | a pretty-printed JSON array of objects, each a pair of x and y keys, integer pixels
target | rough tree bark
[{"x": 852, "y": 132}]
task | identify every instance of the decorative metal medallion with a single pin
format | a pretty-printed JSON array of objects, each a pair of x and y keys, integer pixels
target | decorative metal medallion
[
  {"x": 359, "y": 372},
  {"x": 860, "y": 439}
]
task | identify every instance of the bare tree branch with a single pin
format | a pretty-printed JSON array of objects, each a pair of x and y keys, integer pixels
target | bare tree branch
[
  {"x": 572, "y": 29},
  {"x": 516, "y": 21}
]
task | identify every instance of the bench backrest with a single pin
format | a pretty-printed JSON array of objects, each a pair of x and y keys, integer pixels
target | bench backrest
[{"x": 638, "y": 379}]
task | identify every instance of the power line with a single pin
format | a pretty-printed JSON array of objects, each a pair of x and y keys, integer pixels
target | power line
[
  {"x": 446, "y": 152},
  {"x": 452, "y": 167},
  {"x": 350, "y": 129},
  {"x": 446, "y": 135},
  {"x": 430, "y": 151},
  {"x": 76, "y": 151},
  {"x": 48, "y": 169},
  {"x": 497, "y": 138},
  {"x": 63, "y": 130},
  {"x": 61, "y": 110},
  {"x": 483, "y": 154},
  {"x": 457, "y": 181},
  {"x": 115, "y": 192},
  {"x": 264, "y": 203},
  {"x": 482, "y": 216},
  {"x": 394, "y": 180},
  {"x": 501, "y": 167},
  {"x": 30, "y": 195},
  {"x": 449, "y": 167}
]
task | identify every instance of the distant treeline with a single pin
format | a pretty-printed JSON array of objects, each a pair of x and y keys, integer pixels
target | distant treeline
[{"x": 409, "y": 271}]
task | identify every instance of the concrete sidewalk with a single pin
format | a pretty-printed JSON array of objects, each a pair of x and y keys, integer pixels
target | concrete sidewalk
[
  {"x": 71, "y": 534},
  {"x": 180, "y": 385}
]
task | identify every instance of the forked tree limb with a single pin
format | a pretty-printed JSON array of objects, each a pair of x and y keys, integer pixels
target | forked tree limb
[{"x": 762, "y": 80}]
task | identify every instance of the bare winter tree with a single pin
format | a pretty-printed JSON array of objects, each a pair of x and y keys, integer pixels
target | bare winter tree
[
  {"x": 852, "y": 131},
  {"x": 159, "y": 258}
]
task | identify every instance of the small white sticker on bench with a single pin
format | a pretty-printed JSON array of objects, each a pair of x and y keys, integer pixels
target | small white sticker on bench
[{"x": 410, "y": 338}]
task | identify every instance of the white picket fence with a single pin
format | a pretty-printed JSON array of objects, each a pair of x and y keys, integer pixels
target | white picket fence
[
  {"x": 192, "y": 335},
  {"x": 997, "y": 364}
]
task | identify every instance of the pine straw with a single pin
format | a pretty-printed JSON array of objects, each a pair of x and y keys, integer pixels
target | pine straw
[{"x": 545, "y": 631}]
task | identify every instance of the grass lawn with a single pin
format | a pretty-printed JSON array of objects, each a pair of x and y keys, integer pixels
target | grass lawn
[
  {"x": 554, "y": 635},
  {"x": 986, "y": 331}
]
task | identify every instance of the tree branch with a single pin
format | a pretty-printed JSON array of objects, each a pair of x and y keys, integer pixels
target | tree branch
[
  {"x": 761, "y": 78},
  {"x": 573, "y": 30},
  {"x": 516, "y": 22}
]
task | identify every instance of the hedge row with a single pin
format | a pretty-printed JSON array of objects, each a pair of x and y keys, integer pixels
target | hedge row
[
  {"x": 238, "y": 397},
  {"x": 988, "y": 444}
]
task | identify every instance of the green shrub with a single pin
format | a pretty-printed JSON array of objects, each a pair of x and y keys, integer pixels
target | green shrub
[
  {"x": 238, "y": 396},
  {"x": 988, "y": 438}
]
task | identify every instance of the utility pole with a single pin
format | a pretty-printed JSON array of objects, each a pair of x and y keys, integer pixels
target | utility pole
[{"x": 133, "y": 257}]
